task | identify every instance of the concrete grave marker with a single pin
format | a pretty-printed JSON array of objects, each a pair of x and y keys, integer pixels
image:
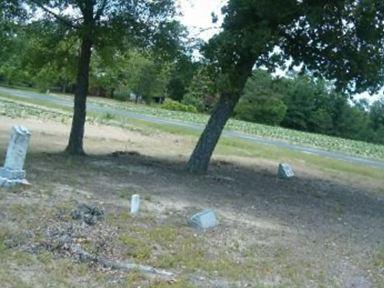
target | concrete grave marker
[
  {"x": 285, "y": 171},
  {"x": 135, "y": 204},
  {"x": 13, "y": 170},
  {"x": 204, "y": 220}
]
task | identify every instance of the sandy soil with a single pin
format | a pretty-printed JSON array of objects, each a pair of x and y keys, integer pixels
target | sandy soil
[{"x": 315, "y": 229}]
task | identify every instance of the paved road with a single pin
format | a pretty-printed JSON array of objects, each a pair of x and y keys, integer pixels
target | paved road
[{"x": 94, "y": 107}]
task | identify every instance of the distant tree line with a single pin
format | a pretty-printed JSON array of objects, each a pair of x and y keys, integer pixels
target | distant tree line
[
  {"x": 308, "y": 104},
  {"x": 37, "y": 55},
  {"x": 300, "y": 102}
]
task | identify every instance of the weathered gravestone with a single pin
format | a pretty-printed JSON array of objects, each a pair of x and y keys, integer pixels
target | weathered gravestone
[
  {"x": 204, "y": 220},
  {"x": 285, "y": 171},
  {"x": 135, "y": 204},
  {"x": 12, "y": 172}
]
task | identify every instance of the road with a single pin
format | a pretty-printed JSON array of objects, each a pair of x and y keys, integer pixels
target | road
[{"x": 94, "y": 107}]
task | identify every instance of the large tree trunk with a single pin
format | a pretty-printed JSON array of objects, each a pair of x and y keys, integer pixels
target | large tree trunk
[
  {"x": 75, "y": 144},
  {"x": 199, "y": 161}
]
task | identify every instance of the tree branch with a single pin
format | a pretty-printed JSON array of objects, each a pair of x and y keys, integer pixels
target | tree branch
[
  {"x": 58, "y": 17},
  {"x": 100, "y": 10}
]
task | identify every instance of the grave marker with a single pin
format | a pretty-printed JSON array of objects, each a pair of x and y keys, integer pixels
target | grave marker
[
  {"x": 135, "y": 204},
  {"x": 285, "y": 171},
  {"x": 204, "y": 220},
  {"x": 13, "y": 170}
]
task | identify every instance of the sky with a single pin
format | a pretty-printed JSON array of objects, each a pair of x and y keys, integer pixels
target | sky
[{"x": 197, "y": 16}]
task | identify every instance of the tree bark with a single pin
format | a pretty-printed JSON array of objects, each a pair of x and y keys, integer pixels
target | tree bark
[
  {"x": 199, "y": 161},
  {"x": 75, "y": 144}
]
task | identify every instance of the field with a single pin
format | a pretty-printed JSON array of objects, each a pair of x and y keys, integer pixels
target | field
[
  {"x": 328, "y": 143},
  {"x": 324, "y": 228},
  {"x": 292, "y": 136}
]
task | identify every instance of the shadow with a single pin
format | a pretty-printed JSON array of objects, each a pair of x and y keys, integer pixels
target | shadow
[{"x": 314, "y": 203}]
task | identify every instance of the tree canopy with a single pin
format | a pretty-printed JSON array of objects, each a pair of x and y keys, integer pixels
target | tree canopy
[
  {"x": 340, "y": 40},
  {"x": 105, "y": 26}
]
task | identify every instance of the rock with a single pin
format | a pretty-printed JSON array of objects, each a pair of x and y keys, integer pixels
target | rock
[
  {"x": 89, "y": 214},
  {"x": 204, "y": 220},
  {"x": 285, "y": 171}
]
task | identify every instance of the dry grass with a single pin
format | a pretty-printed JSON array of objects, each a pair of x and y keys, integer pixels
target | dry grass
[{"x": 309, "y": 232}]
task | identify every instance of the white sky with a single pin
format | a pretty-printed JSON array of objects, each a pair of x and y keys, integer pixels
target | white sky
[{"x": 197, "y": 16}]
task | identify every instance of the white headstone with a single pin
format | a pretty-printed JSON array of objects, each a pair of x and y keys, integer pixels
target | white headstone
[
  {"x": 204, "y": 220},
  {"x": 285, "y": 171},
  {"x": 12, "y": 171},
  {"x": 135, "y": 204}
]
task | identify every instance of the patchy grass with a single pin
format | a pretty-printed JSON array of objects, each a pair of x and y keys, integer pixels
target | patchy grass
[
  {"x": 292, "y": 136},
  {"x": 379, "y": 259},
  {"x": 226, "y": 145},
  {"x": 272, "y": 233}
]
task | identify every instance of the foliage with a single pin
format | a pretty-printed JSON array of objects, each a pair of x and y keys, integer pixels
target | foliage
[
  {"x": 336, "y": 40},
  {"x": 262, "y": 100},
  {"x": 377, "y": 114},
  {"x": 308, "y": 104},
  {"x": 177, "y": 106},
  {"x": 181, "y": 76},
  {"x": 201, "y": 92}
]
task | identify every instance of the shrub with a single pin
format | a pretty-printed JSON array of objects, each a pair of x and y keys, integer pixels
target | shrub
[
  {"x": 177, "y": 106},
  {"x": 121, "y": 95}
]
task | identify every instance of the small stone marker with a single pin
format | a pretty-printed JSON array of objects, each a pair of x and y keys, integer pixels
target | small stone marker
[
  {"x": 204, "y": 220},
  {"x": 12, "y": 172},
  {"x": 285, "y": 171},
  {"x": 135, "y": 204}
]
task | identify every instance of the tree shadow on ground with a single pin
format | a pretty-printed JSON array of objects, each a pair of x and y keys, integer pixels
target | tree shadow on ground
[{"x": 317, "y": 207}]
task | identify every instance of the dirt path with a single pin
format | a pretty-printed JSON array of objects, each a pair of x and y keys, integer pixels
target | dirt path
[{"x": 312, "y": 231}]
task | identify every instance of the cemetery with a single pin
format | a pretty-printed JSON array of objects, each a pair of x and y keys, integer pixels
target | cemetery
[
  {"x": 191, "y": 143},
  {"x": 80, "y": 221}
]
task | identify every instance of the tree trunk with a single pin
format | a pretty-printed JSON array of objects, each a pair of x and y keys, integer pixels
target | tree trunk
[
  {"x": 75, "y": 144},
  {"x": 199, "y": 161}
]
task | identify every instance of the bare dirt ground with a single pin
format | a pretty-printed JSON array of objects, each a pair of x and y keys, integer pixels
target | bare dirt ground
[{"x": 316, "y": 230}]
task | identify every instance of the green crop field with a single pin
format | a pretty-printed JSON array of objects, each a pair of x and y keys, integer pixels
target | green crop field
[
  {"x": 325, "y": 142},
  {"x": 292, "y": 136}
]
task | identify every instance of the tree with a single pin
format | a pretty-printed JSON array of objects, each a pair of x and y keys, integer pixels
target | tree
[
  {"x": 340, "y": 40},
  {"x": 201, "y": 91},
  {"x": 262, "y": 100},
  {"x": 181, "y": 76},
  {"x": 376, "y": 114},
  {"x": 98, "y": 24},
  {"x": 307, "y": 101},
  {"x": 147, "y": 77}
]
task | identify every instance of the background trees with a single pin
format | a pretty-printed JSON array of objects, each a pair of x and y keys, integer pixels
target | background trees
[
  {"x": 114, "y": 48},
  {"x": 338, "y": 40},
  {"x": 305, "y": 103},
  {"x": 105, "y": 26},
  {"x": 262, "y": 101}
]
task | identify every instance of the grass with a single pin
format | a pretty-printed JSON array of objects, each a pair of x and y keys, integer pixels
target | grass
[
  {"x": 164, "y": 242},
  {"x": 227, "y": 146},
  {"x": 292, "y": 136},
  {"x": 379, "y": 259}
]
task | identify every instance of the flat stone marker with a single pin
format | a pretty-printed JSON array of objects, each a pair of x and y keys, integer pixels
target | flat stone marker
[
  {"x": 12, "y": 172},
  {"x": 285, "y": 171},
  {"x": 135, "y": 204},
  {"x": 204, "y": 220}
]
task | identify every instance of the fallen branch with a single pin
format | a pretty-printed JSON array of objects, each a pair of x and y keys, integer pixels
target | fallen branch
[{"x": 76, "y": 250}]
